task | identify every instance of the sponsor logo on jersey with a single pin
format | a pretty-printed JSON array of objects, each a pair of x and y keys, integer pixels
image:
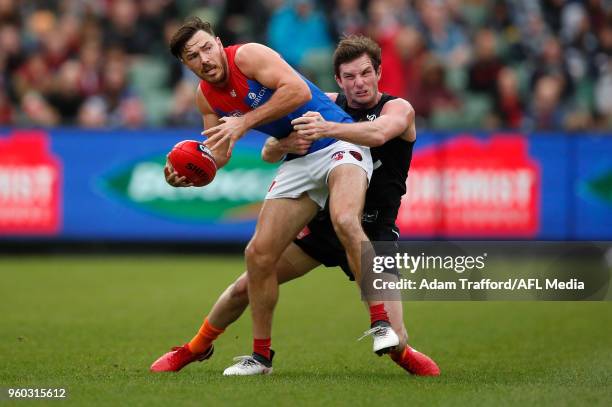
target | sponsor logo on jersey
[
  {"x": 371, "y": 117},
  {"x": 233, "y": 93},
  {"x": 257, "y": 98}
]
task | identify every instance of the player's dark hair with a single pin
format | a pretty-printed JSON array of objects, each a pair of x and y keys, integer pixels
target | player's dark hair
[
  {"x": 354, "y": 46},
  {"x": 191, "y": 26}
]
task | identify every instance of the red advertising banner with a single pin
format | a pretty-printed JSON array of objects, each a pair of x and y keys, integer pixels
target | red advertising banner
[
  {"x": 30, "y": 185},
  {"x": 468, "y": 187}
]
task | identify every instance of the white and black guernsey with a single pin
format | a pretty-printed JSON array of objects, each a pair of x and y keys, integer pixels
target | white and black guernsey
[{"x": 391, "y": 163}]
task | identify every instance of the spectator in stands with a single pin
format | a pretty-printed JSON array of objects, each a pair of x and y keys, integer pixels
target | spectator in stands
[
  {"x": 546, "y": 112},
  {"x": 33, "y": 75},
  {"x": 93, "y": 113},
  {"x": 348, "y": 19},
  {"x": 65, "y": 95},
  {"x": 9, "y": 12},
  {"x": 484, "y": 70},
  {"x": 300, "y": 33},
  {"x": 580, "y": 43},
  {"x": 153, "y": 15},
  {"x": 517, "y": 44},
  {"x": 90, "y": 60},
  {"x": 122, "y": 28},
  {"x": 175, "y": 68},
  {"x": 413, "y": 53},
  {"x": 11, "y": 58},
  {"x": 444, "y": 37},
  {"x": 603, "y": 100},
  {"x": 386, "y": 30},
  {"x": 36, "y": 110},
  {"x": 6, "y": 109},
  {"x": 182, "y": 112},
  {"x": 551, "y": 62},
  {"x": 122, "y": 107},
  {"x": 509, "y": 110},
  {"x": 433, "y": 94},
  {"x": 531, "y": 28},
  {"x": 297, "y": 31}
]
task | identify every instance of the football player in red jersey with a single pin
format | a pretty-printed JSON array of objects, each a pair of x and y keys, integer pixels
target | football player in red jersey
[{"x": 250, "y": 86}]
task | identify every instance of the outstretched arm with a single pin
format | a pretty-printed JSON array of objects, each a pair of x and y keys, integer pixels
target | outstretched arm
[{"x": 396, "y": 120}]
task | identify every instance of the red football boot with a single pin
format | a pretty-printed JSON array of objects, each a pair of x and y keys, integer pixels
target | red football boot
[
  {"x": 178, "y": 358},
  {"x": 417, "y": 363}
]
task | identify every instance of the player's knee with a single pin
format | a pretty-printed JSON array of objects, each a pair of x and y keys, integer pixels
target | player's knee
[
  {"x": 259, "y": 261},
  {"x": 346, "y": 224}
]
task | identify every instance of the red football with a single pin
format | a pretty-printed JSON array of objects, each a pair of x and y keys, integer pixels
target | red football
[{"x": 194, "y": 161}]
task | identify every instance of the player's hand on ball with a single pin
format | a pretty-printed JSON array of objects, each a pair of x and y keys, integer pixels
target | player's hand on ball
[
  {"x": 230, "y": 129},
  {"x": 311, "y": 126},
  {"x": 173, "y": 178}
]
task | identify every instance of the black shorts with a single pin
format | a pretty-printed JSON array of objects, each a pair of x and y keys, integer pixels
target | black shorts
[{"x": 321, "y": 243}]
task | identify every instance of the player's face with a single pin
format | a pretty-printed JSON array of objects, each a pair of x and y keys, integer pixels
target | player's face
[
  {"x": 359, "y": 81},
  {"x": 203, "y": 54}
]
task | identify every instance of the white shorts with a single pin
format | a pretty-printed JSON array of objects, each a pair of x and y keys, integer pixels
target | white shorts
[{"x": 309, "y": 173}]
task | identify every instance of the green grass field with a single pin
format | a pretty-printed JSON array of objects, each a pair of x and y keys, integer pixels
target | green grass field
[{"x": 93, "y": 325}]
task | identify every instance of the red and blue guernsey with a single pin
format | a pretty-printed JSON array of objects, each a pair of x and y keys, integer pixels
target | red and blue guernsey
[{"x": 241, "y": 95}]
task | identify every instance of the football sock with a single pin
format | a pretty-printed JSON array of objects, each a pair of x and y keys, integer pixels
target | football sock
[
  {"x": 378, "y": 313},
  {"x": 204, "y": 338},
  {"x": 262, "y": 347}
]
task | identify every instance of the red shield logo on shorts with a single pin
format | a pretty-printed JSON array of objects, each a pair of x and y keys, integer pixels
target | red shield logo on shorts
[
  {"x": 338, "y": 155},
  {"x": 305, "y": 232},
  {"x": 356, "y": 154}
]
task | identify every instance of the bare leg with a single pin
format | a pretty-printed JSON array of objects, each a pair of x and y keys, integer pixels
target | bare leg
[
  {"x": 347, "y": 189},
  {"x": 280, "y": 220},
  {"x": 233, "y": 302}
]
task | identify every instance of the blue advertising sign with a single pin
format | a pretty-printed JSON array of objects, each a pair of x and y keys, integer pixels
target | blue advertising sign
[{"x": 74, "y": 184}]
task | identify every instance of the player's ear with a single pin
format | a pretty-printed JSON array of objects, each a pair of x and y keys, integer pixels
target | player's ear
[
  {"x": 379, "y": 71},
  {"x": 219, "y": 43},
  {"x": 338, "y": 81}
]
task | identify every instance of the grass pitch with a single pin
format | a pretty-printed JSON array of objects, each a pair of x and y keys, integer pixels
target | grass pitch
[{"x": 93, "y": 325}]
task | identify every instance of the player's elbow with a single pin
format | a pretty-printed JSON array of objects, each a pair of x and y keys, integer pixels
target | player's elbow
[
  {"x": 410, "y": 115},
  {"x": 377, "y": 140},
  {"x": 378, "y": 135},
  {"x": 302, "y": 93}
]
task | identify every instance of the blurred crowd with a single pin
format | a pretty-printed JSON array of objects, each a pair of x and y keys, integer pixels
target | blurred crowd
[{"x": 463, "y": 64}]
